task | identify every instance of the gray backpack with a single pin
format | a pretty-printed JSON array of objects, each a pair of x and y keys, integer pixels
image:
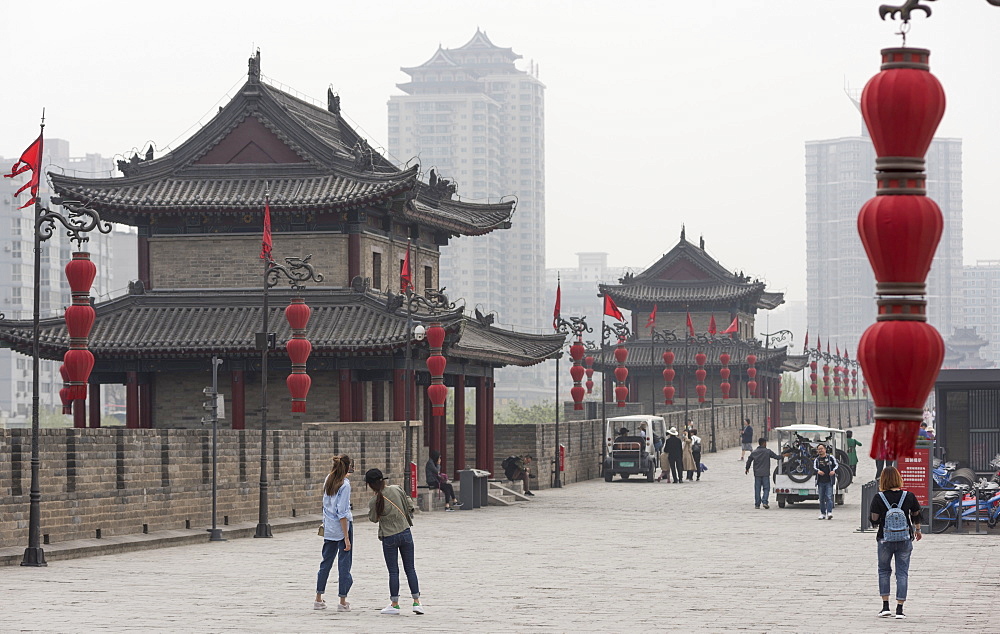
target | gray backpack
[{"x": 896, "y": 527}]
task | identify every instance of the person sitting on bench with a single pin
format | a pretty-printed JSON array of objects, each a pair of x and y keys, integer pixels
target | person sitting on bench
[
  {"x": 519, "y": 468},
  {"x": 438, "y": 480}
]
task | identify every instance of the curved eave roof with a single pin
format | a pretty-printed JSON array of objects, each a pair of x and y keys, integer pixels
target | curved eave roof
[
  {"x": 641, "y": 354},
  {"x": 184, "y": 324},
  {"x": 645, "y": 295},
  {"x": 460, "y": 217}
]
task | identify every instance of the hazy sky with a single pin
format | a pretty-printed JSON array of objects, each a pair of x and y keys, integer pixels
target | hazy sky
[{"x": 657, "y": 113}]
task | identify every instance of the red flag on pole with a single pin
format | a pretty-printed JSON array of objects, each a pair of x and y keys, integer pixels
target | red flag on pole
[
  {"x": 805, "y": 346},
  {"x": 31, "y": 159},
  {"x": 611, "y": 310},
  {"x": 819, "y": 344},
  {"x": 711, "y": 325},
  {"x": 828, "y": 346},
  {"x": 733, "y": 327},
  {"x": 690, "y": 324},
  {"x": 266, "y": 244},
  {"x": 556, "y": 313},
  {"x": 405, "y": 275},
  {"x": 652, "y": 318},
  {"x": 838, "y": 349}
]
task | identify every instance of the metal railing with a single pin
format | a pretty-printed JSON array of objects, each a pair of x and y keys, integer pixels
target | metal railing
[{"x": 868, "y": 492}]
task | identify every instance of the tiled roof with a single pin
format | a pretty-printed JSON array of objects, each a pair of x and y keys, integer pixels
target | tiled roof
[
  {"x": 461, "y": 217},
  {"x": 178, "y": 324},
  {"x": 689, "y": 292},
  {"x": 642, "y": 355}
]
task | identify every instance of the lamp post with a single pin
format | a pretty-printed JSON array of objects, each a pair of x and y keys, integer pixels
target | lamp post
[
  {"x": 79, "y": 221},
  {"x": 779, "y": 336},
  {"x": 436, "y": 303},
  {"x": 576, "y": 326},
  {"x": 297, "y": 271}
]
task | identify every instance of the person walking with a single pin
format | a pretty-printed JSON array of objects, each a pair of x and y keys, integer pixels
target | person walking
[
  {"x": 760, "y": 458},
  {"x": 746, "y": 438},
  {"x": 392, "y": 510},
  {"x": 897, "y": 514},
  {"x": 674, "y": 450},
  {"x": 338, "y": 533},
  {"x": 695, "y": 453},
  {"x": 852, "y": 451},
  {"x": 687, "y": 455},
  {"x": 825, "y": 466}
]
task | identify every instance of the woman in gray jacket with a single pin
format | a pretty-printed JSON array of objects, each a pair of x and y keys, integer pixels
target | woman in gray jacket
[{"x": 393, "y": 510}]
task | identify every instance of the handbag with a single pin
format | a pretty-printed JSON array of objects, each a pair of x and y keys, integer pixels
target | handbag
[{"x": 320, "y": 531}]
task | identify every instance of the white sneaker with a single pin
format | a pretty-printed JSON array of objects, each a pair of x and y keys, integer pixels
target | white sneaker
[
  {"x": 390, "y": 609},
  {"x": 822, "y": 516},
  {"x": 319, "y": 605},
  {"x": 417, "y": 608},
  {"x": 343, "y": 607},
  {"x": 829, "y": 516}
]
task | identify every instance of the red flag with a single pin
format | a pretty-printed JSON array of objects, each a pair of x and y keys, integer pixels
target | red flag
[
  {"x": 611, "y": 310},
  {"x": 805, "y": 346},
  {"x": 652, "y": 318},
  {"x": 405, "y": 275},
  {"x": 733, "y": 327},
  {"x": 31, "y": 159},
  {"x": 556, "y": 313},
  {"x": 819, "y": 344},
  {"x": 828, "y": 346},
  {"x": 266, "y": 244},
  {"x": 690, "y": 325},
  {"x": 711, "y": 325},
  {"x": 838, "y": 349}
]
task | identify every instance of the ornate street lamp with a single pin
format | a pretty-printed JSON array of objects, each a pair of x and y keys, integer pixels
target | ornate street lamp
[
  {"x": 576, "y": 326},
  {"x": 620, "y": 332},
  {"x": 78, "y": 222},
  {"x": 297, "y": 271}
]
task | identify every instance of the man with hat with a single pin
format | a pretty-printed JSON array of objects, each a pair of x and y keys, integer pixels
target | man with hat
[{"x": 675, "y": 452}]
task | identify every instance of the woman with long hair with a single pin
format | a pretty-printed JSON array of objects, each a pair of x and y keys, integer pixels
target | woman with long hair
[
  {"x": 392, "y": 510},
  {"x": 338, "y": 533},
  {"x": 895, "y": 536}
]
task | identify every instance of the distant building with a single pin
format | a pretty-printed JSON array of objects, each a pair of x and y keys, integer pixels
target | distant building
[
  {"x": 17, "y": 272},
  {"x": 471, "y": 114},
  {"x": 579, "y": 285},
  {"x": 839, "y": 280},
  {"x": 981, "y": 291}
]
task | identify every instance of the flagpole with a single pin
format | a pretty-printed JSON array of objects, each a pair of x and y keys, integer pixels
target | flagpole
[
  {"x": 34, "y": 555},
  {"x": 604, "y": 396},
  {"x": 264, "y": 342}
]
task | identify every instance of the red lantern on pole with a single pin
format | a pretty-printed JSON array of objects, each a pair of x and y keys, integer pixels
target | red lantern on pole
[
  {"x": 299, "y": 348},
  {"x": 437, "y": 391},
  {"x": 724, "y": 372},
  {"x": 589, "y": 363},
  {"x": 826, "y": 379},
  {"x": 78, "y": 361},
  {"x": 576, "y": 371},
  {"x": 752, "y": 374},
  {"x": 65, "y": 393},
  {"x": 836, "y": 380},
  {"x": 700, "y": 374},
  {"x": 812, "y": 377},
  {"x": 900, "y": 354},
  {"x": 668, "y": 378},
  {"x": 621, "y": 373}
]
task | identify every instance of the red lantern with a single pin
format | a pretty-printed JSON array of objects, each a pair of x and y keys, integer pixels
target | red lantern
[
  {"x": 80, "y": 273},
  {"x": 67, "y": 402},
  {"x": 752, "y": 373},
  {"x": 900, "y": 235},
  {"x": 298, "y": 348},
  {"x": 621, "y": 355},
  {"x": 576, "y": 371},
  {"x": 725, "y": 387},
  {"x": 903, "y": 104},
  {"x": 668, "y": 394},
  {"x": 901, "y": 360},
  {"x": 724, "y": 358},
  {"x": 621, "y": 393},
  {"x": 701, "y": 390},
  {"x": 752, "y": 388},
  {"x": 437, "y": 391},
  {"x": 668, "y": 378},
  {"x": 589, "y": 362},
  {"x": 668, "y": 357},
  {"x": 700, "y": 375},
  {"x": 78, "y": 362}
]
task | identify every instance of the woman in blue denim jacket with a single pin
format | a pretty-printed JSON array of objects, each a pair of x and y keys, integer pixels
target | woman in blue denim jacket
[
  {"x": 338, "y": 533},
  {"x": 392, "y": 509}
]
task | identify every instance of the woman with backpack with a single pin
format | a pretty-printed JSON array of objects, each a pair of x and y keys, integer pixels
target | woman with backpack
[
  {"x": 392, "y": 510},
  {"x": 338, "y": 533},
  {"x": 695, "y": 443},
  {"x": 897, "y": 514}
]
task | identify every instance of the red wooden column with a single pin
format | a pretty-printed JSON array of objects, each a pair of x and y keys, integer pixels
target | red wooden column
[
  {"x": 146, "y": 405},
  {"x": 95, "y": 405},
  {"x": 399, "y": 395},
  {"x": 353, "y": 252},
  {"x": 79, "y": 413},
  {"x": 143, "y": 263},
  {"x": 239, "y": 405},
  {"x": 132, "y": 400},
  {"x": 430, "y": 430},
  {"x": 358, "y": 400},
  {"x": 441, "y": 424},
  {"x": 459, "y": 424},
  {"x": 346, "y": 406},
  {"x": 482, "y": 433}
]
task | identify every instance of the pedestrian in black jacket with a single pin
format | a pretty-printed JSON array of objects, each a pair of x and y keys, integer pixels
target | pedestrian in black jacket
[
  {"x": 746, "y": 438},
  {"x": 674, "y": 449},
  {"x": 761, "y": 458}
]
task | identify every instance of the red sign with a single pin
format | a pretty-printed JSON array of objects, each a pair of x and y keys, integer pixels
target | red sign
[
  {"x": 413, "y": 479},
  {"x": 562, "y": 457},
  {"x": 916, "y": 474}
]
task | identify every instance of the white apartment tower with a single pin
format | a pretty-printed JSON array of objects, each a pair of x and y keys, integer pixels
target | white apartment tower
[
  {"x": 840, "y": 285},
  {"x": 982, "y": 305},
  {"x": 476, "y": 119}
]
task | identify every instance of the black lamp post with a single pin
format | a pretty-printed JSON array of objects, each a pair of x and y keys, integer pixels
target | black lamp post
[
  {"x": 576, "y": 326},
  {"x": 78, "y": 222},
  {"x": 297, "y": 272},
  {"x": 780, "y": 336}
]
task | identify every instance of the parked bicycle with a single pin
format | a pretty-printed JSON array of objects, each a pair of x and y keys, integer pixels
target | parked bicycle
[
  {"x": 947, "y": 475},
  {"x": 979, "y": 501}
]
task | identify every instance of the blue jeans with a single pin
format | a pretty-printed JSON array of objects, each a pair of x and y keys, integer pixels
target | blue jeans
[
  {"x": 334, "y": 549},
  {"x": 825, "y": 491},
  {"x": 761, "y": 487},
  {"x": 392, "y": 547},
  {"x": 901, "y": 551}
]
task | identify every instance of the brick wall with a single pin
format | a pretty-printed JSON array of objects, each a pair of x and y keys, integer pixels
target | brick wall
[{"x": 118, "y": 480}]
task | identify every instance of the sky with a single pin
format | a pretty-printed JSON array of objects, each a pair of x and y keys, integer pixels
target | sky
[{"x": 657, "y": 113}]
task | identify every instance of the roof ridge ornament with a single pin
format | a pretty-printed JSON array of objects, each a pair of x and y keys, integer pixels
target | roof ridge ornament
[
  {"x": 253, "y": 72},
  {"x": 332, "y": 101}
]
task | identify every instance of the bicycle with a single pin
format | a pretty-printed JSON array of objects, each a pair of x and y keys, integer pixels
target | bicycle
[{"x": 980, "y": 501}]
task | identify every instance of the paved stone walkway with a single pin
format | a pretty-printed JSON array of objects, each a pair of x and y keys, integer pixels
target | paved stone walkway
[{"x": 619, "y": 557}]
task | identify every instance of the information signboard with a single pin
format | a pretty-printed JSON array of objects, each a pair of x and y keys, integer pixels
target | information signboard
[{"x": 916, "y": 474}]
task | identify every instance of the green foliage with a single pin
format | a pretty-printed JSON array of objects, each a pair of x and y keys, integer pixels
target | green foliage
[
  {"x": 514, "y": 414},
  {"x": 791, "y": 387}
]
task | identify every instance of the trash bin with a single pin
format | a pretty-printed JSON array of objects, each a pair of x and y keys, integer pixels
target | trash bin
[{"x": 474, "y": 486}]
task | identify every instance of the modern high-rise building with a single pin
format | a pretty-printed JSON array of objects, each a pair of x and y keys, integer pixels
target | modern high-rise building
[
  {"x": 17, "y": 275},
  {"x": 476, "y": 119},
  {"x": 840, "y": 285},
  {"x": 981, "y": 288}
]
